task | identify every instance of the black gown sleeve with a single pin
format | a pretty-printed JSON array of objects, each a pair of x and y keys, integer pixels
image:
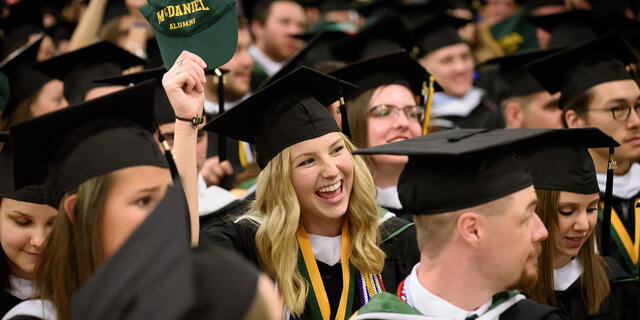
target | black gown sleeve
[
  {"x": 7, "y": 302},
  {"x": 237, "y": 236},
  {"x": 401, "y": 248}
]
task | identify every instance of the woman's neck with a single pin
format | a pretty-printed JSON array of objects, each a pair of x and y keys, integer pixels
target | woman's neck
[{"x": 561, "y": 261}]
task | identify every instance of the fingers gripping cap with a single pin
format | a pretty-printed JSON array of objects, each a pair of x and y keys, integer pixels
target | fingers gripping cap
[{"x": 208, "y": 28}]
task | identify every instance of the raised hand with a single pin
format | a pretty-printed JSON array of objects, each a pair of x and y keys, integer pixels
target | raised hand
[{"x": 184, "y": 85}]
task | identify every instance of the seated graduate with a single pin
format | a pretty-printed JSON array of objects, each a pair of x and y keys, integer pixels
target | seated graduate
[
  {"x": 478, "y": 233},
  {"x": 25, "y": 221},
  {"x": 103, "y": 196},
  {"x": 572, "y": 275},
  {"x": 385, "y": 109},
  {"x": 314, "y": 226},
  {"x": 597, "y": 90},
  {"x": 103, "y": 170}
]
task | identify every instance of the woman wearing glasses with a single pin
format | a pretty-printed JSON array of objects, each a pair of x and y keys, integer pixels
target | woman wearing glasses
[{"x": 382, "y": 110}]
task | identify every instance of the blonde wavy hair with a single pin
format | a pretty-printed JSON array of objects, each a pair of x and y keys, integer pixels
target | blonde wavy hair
[{"x": 277, "y": 206}]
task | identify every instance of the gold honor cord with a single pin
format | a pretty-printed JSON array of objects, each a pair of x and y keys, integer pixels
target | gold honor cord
[
  {"x": 427, "y": 108},
  {"x": 241, "y": 154},
  {"x": 632, "y": 247},
  {"x": 314, "y": 273}
]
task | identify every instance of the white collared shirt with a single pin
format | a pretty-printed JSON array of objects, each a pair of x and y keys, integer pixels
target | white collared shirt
[
  {"x": 326, "y": 249},
  {"x": 21, "y": 288},
  {"x": 388, "y": 197},
  {"x": 564, "y": 277},
  {"x": 433, "y": 306},
  {"x": 625, "y": 186},
  {"x": 212, "y": 198},
  {"x": 269, "y": 66}
]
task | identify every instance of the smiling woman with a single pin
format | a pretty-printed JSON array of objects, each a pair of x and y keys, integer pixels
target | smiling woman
[{"x": 314, "y": 226}]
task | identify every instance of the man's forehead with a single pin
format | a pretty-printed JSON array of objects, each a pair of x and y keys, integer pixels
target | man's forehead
[{"x": 626, "y": 90}]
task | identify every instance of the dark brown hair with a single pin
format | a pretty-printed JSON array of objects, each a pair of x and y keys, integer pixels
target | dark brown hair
[
  {"x": 73, "y": 250},
  {"x": 21, "y": 113},
  {"x": 594, "y": 281},
  {"x": 579, "y": 104}
]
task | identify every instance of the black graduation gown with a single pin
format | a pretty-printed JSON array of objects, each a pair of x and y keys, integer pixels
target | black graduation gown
[
  {"x": 486, "y": 115},
  {"x": 399, "y": 244},
  {"x": 530, "y": 310},
  {"x": 229, "y": 212},
  {"x": 622, "y": 303},
  {"x": 626, "y": 211},
  {"x": 7, "y": 301}
]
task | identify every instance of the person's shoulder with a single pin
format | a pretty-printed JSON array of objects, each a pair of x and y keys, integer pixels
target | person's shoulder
[
  {"x": 391, "y": 227},
  {"x": 387, "y": 306},
  {"x": 528, "y": 309}
]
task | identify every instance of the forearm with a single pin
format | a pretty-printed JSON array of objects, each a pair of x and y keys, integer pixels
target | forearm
[
  {"x": 88, "y": 26},
  {"x": 184, "y": 151}
]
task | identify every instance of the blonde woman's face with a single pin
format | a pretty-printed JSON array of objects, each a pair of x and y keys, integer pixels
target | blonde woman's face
[
  {"x": 322, "y": 176},
  {"x": 24, "y": 226},
  {"x": 577, "y": 217},
  {"x": 134, "y": 193}
]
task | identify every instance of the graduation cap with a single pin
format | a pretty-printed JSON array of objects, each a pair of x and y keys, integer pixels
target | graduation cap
[
  {"x": 290, "y": 110},
  {"x": 394, "y": 68},
  {"x": 564, "y": 163},
  {"x": 437, "y": 32},
  {"x": 532, "y": 5},
  {"x": 23, "y": 80},
  {"x": 78, "y": 69},
  {"x": 571, "y": 27},
  {"x": 33, "y": 194},
  {"x": 25, "y": 19},
  {"x": 337, "y": 5},
  {"x": 512, "y": 79},
  {"x": 389, "y": 34},
  {"x": 414, "y": 14},
  {"x": 316, "y": 51},
  {"x": 576, "y": 69},
  {"x": 162, "y": 109},
  {"x": 85, "y": 141},
  {"x": 471, "y": 167}
]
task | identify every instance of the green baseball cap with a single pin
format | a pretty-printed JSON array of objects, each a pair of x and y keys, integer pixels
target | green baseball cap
[{"x": 207, "y": 28}]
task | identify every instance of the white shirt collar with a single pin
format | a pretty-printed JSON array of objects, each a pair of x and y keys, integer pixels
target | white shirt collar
[
  {"x": 326, "y": 249},
  {"x": 212, "y": 198},
  {"x": 269, "y": 66},
  {"x": 564, "y": 277},
  {"x": 388, "y": 197},
  {"x": 445, "y": 105},
  {"x": 211, "y": 107},
  {"x": 431, "y": 305},
  {"x": 625, "y": 186},
  {"x": 22, "y": 288}
]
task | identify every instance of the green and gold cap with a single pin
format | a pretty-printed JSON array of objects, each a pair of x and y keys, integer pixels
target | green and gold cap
[{"x": 207, "y": 28}]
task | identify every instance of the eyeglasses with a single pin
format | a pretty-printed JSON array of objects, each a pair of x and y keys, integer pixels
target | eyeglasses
[
  {"x": 385, "y": 110},
  {"x": 621, "y": 113}
]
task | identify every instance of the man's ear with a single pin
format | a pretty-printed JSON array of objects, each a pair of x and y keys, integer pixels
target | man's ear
[
  {"x": 256, "y": 29},
  {"x": 513, "y": 115},
  {"x": 468, "y": 227},
  {"x": 69, "y": 206},
  {"x": 574, "y": 120}
]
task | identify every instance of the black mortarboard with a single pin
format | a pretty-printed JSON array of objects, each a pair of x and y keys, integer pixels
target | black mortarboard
[
  {"x": 288, "y": 111},
  {"x": 85, "y": 141},
  {"x": 389, "y": 34},
  {"x": 437, "y": 32},
  {"x": 535, "y": 4},
  {"x": 570, "y": 27},
  {"x": 415, "y": 14},
  {"x": 471, "y": 167},
  {"x": 315, "y": 52},
  {"x": 162, "y": 109},
  {"x": 23, "y": 80},
  {"x": 394, "y": 68},
  {"x": 564, "y": 164},
  {"x": 512, "y": 79},
  {"x": 33, "y": 194},
  {"x": 337, "y": 5},
  {"x": 78, "y": 69},
  {"x": 576, "y": 69},
  {"x": 25, "y": 19}
]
